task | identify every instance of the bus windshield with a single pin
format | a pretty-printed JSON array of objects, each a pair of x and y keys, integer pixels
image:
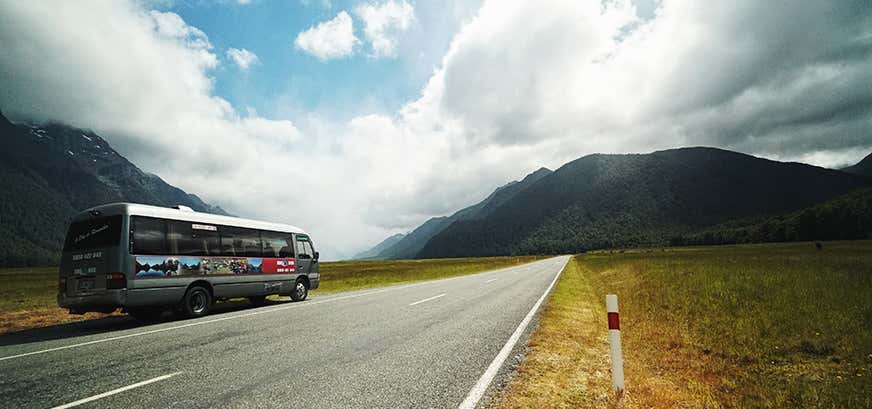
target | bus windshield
[{"x": 93, "y": 233}]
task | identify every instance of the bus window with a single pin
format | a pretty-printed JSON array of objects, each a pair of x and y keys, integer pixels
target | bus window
[
  {"x": 148, "y": 236},
  {"x": 276, "y": 245},
  {"x": 240, "y": 242},
  {"x": 93, "y": 233},
  {"x": 302, "y": 251},
  {"x": 228, "y": 247},
  {"x": 191, "y": 239}
]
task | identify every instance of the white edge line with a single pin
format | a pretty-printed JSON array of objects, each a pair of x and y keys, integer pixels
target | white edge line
[
  {"x": 427, "y": 299},
  {"x": 115, "y": 391},
  {"x": 491, "y": 280},
  {"x": 261, "y": 311},
  {"x": 487, "y": 377}
]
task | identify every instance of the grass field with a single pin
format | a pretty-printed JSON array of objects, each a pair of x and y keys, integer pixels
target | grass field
[
  {"x": 774, "y": 325},
  {"x": 27, "y": 295}
]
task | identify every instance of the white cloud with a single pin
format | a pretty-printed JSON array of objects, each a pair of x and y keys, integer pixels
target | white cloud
[
  {"x": 171, "y": 25},
  {"x": 524, "y": 84},
  {"x": 329, "y": 39},
  {"x": 383, "y": 23},
  {"x": 242, "y": 57}
]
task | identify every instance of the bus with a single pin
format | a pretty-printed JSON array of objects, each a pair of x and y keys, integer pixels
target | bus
[{"x": 148, "y": 259}]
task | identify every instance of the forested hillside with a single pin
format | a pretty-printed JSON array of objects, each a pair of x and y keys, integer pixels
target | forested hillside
[
  {"x": 608, "y": 201},
  {"x": 847, "y": 217}
]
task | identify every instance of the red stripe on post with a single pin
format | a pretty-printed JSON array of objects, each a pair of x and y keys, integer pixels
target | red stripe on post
[{"x": 614, "y": 322}]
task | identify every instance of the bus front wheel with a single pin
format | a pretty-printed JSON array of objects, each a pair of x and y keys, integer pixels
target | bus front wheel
[
  {"x": 196, "y": 303},
  {"x": 301, "y": 290}
]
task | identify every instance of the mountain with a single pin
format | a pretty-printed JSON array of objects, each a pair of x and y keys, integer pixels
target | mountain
[
  {"x": 608, "y": 201},
  {"x": 50, "y": 173},
  {"x": 413, "y": 242},
  {"x": 373, "y": 252},
  {"x": 847, "y": 217},
  {"x": 864, "y": 167}
]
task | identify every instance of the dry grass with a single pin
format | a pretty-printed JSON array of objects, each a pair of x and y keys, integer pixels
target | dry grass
[
  {"x": 566, "y": 364},
  {"x": 14, "y": 321},
  {"x": 733, "y": 326}
]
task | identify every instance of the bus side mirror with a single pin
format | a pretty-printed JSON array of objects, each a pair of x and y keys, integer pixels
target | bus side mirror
[{"x": 317, "y": 255}]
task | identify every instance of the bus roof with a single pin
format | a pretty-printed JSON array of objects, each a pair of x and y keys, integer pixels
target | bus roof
[{"x": 135, "y": 209}]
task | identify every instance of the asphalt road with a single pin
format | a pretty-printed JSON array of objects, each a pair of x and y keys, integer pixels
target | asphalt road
[{"x": 423, "y": 345}]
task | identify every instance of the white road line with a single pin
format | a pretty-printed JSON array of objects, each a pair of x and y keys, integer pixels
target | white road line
[
  {"x": 427, "y": 299},
  {"x": 487, "y": 377},
  {"x": 491, "y": 280},
  {"x": 266, "y": 310},
  {"x": 115, "y": 391}
]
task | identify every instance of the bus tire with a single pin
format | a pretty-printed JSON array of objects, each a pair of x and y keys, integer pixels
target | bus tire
[
  {"x": 300, "y": 291},
  {"x": 197, "y": 302},
  {"x": 258, "y": 300}
]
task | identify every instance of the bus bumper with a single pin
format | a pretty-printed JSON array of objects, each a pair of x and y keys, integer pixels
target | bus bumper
[{"x": 104, "y": 301}]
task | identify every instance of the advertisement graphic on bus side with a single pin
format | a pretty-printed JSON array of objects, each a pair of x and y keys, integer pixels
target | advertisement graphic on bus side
[{"x": 174, "y": 266}]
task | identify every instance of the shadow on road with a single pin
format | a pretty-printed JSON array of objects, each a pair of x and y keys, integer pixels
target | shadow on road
[{"x": 111, "y": 324}]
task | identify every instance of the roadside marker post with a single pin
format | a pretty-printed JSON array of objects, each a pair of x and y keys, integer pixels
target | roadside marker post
[{"x": 615, "y": 344}]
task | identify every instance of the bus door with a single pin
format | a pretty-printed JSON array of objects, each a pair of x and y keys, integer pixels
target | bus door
[{"x": 305, "y": 254}]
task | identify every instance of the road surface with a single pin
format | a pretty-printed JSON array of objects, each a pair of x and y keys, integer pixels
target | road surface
[{"x": 425, "y": 345}]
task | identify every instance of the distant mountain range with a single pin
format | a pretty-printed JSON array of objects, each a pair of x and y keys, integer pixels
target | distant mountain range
[
  {"x": 52, "y": 172},
  {"x": 374, "y": 252},
  {"x": 411, "y": 244},
  {"x": 666, "y": 197}
]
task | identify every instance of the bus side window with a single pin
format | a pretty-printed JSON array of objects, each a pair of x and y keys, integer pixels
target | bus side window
[
  {"x": 240, "y": 242},
  {"x": 301, "y": 249},
  {"x": 287, "y": 250},
  {"x": 276, "y": 245},
  {"x": 229, "y": 243},
  {"x": 149, "y": 236},
  {"x": 184, "y": 240}
]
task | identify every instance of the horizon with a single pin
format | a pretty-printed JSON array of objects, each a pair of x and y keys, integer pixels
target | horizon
[{"x": 388, "y": 113}]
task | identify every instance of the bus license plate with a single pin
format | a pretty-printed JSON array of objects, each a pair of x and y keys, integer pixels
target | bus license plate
[{"x": 86, "y": 285}]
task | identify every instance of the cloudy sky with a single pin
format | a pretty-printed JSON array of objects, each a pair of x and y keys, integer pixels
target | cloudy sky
[{"x": 359, "y": 119}]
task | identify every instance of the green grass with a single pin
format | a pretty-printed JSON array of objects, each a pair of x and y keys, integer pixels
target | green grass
[{"x": 771, "y": 325}]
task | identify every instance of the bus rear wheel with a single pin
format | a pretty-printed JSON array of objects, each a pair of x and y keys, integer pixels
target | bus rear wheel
[
  {"x": 301, "y": 290},
  {"x": 197, "y": 302}
]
